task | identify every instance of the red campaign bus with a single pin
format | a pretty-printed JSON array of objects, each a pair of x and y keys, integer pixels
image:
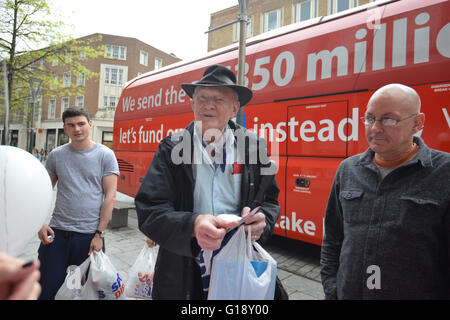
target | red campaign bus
[{"x": 311, "y": 83}]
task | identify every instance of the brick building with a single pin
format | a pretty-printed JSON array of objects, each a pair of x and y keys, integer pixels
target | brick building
[
  {"x": 266, "y": 15},
  {"x": 124, "y": 58}
]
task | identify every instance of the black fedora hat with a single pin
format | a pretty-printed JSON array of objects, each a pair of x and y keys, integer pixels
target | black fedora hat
[{"x": 219, "y": 76}]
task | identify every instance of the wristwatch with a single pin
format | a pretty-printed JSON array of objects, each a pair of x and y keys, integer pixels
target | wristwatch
[{"x": 101, "y": 233}]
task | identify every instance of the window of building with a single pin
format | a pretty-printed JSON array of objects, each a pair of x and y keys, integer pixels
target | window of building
[
  {"x": 304, "y": 10},
  {"x": 82, "y": 55},
  {"x": 107, "y": 138},
  {"x": 81, "y": 79},
  {"x": 249, "y": 29},
  {"x": 66, "y": 79},
  {"x": 335, "y": 6},
  {"x": 79, "y": 102},
  {"x": 114, "y": 76},
  {"x": 116, "y": 52},
  {"x": 64, "y": 104},
  {"x": 110, "y": 101},
  {"x": 272, "y": 20},
  {"x": 158, "y": 63},
  {"x": 51, "y": 109},
  {"x": 143, "y": 58},
  {"x": 53, "y": 83}
]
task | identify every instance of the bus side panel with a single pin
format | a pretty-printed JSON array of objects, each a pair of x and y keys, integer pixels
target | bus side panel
[
  {"x": 281, "y": 180},
  {"x": 308, "y": 184},
  {"x": 269, "y": 121},
  {"x": 435, "y": 100},
  {"x": 132, "y": 166},
  {"x": 145, "y": 134}
]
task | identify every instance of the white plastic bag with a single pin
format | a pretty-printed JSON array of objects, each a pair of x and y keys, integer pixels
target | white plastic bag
[
  {"x": 242, "y": 270},
  {"x": 78, "y": 284},
  {"x": 105, "y": 278},
  {"x": 140, "y": 276}
]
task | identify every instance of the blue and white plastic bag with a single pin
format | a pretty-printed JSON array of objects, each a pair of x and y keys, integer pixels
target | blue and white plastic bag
[
  {"x": 105, "y": 278},
  {"x": 242, "y": 270}
]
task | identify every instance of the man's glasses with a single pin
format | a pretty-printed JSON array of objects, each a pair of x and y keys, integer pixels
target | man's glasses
[{"x": 386, "y": 122}]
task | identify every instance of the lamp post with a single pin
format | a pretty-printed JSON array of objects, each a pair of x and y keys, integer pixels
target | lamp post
[
  {"x": 35, "y": 86},
  {"x": 243, "y": 20}
]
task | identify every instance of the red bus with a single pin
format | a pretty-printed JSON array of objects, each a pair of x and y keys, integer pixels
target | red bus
[{"x": 311, "y": 82}]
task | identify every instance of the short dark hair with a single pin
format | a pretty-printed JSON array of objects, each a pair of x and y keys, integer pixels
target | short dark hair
[{"x": 74, "y": 112}]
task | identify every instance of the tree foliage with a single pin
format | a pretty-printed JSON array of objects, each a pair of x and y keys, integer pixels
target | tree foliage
[{"x": 33, "y": 45}]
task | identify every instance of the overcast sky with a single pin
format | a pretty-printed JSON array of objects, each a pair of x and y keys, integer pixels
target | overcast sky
[{"x": 174, "y": 26}]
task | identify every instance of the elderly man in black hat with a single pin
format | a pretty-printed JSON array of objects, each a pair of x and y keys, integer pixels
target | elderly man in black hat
[{"x": 178, "y": 204}]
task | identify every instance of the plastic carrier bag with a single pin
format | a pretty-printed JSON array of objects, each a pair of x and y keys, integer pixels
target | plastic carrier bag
[
  {"x": 78, "y": 284},
  {"x": 242, "y": 270},
  {"x": 105, "y": 278},
  {"x": 140, "y": 276}
]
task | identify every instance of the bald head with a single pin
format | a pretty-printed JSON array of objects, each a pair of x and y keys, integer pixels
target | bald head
[
  {"x": 406, "y": 98},
  {"x": 396, "y": 102}
]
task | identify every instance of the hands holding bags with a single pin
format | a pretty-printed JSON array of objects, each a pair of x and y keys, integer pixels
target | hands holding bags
[
  {"x": 100, "y": 282},
  {"x": 239, "y": 270},
  {"x": 97, "y": 279},
  {"x": 105, "y": 278},
  {"x": 242, "y": 270}
]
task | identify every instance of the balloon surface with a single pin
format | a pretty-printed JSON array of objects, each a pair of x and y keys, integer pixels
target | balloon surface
[{"x": 25, "y": 198}]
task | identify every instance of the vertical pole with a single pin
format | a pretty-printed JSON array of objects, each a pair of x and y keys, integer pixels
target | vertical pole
[
  {"x": 31, "y": 140},
  {"x": 35, "y": 86},
  {"x": 242, "y": 17},
  {"x": 5, "y": 136}
]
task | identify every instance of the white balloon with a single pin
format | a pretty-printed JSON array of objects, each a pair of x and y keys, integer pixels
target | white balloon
[{"x": 25, "y": 198}]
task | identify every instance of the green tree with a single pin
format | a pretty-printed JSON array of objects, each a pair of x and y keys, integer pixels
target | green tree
[{"x": 33, "y": 46}]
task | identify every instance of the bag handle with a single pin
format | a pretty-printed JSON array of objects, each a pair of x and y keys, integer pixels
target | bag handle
[{"x": 249, "y": 243}]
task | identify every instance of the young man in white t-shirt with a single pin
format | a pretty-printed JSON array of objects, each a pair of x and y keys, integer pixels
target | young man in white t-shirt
[{"x": 86, "y": 173}]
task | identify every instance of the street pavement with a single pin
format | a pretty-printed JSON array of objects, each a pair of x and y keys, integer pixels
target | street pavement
[{"x": 298, "y": 272}]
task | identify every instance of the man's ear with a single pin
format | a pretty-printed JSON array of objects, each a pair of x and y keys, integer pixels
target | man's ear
[
  {"x": 236, "y": 106},
  {"x": 419, "y": 122}
]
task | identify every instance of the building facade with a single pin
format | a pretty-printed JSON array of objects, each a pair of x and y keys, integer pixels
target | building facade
[
  {"x": 267, "y": 15},
  {"x": 124, "y": 58}
]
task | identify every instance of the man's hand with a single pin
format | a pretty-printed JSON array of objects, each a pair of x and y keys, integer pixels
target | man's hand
[
  {"x": 44, "y": 233},
  {"x": 150, "y": 243},
  {"x": 258, "y": 222},
  {"x": 210, "y": 231},
  {"x": 96, "y": 244}
]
